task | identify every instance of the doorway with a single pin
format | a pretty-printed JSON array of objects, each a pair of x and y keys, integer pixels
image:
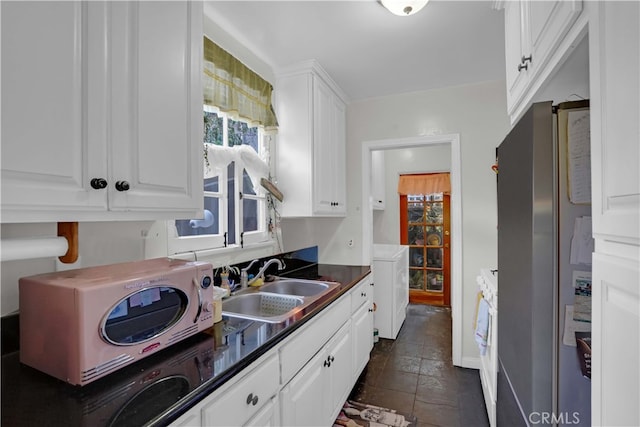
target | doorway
[
  {"x": 425, "y": 228},
  {"x": 453, "y": 142}
]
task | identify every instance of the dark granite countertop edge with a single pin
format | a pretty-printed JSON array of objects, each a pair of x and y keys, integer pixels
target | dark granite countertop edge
[{"x": 197, "y": 395}]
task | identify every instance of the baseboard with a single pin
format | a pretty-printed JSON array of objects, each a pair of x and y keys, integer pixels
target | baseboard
[{"x": 470, "y": 362}]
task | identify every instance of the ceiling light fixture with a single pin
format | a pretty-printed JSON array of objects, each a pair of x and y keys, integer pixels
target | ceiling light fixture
[{"x": 403, "y": 7}]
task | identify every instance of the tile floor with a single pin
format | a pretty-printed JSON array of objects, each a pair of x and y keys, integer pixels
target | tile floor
[{"x": 414, "y": 374}]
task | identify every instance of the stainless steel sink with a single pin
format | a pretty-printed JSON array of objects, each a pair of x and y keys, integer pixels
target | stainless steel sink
[
  {"x": 263, "y": 306},
  {"x": 281, "y": 301},
  {"x": 298, "y": 287}
]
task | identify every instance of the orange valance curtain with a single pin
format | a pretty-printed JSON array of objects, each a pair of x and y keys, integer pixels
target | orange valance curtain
[{"x": 424, "y": 184}]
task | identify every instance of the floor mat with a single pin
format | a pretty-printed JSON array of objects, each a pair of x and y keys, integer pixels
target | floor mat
[{"x": 354, "y": 414}]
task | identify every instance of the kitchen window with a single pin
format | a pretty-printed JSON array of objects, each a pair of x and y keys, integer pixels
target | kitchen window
[
  {"x": 235, "y": 156},
  {"x": 239, "y": 122}
]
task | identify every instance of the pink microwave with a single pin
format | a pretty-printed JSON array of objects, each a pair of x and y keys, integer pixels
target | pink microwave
[{"x": 80, "y": 325}]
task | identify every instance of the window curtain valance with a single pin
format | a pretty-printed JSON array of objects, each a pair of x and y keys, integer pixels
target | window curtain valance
[
  {"x": 424, "y": 184},
  {"x": 232, "y": 87}
]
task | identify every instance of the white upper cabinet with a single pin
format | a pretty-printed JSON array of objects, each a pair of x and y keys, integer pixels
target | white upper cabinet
[
  {"x": 516, "y": 47},
  {"x": 102, "y": 110},
  {"x": 378, "y": 183},
  {"x": 615, "y": 120},
  {"x": 533, "y": 32},
  {"x": 311, "y": 151}
]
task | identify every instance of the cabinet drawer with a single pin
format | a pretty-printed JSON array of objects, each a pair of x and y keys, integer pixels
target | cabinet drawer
[
  {"x": 257, "y": 388},
  {"x": 361, "y": 293},
  {"x": 312, "y": 337}
]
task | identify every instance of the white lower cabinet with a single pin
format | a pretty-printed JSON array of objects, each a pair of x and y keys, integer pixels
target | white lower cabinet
[
  {"x": 303, "y": 381},
  {"x": 190, "y": 419},
  {"x": 362, "y": 324},
  {"x": 362, "y": 331},
  {"x": 268, "y": 416},
  {"x": 251, "y": 396},
  {"x": 316, "y": 394}
]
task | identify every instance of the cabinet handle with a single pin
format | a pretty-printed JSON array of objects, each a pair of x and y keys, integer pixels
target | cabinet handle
[
  {"x": 98, "y": 183},
  {"x": 523, "y": 63},
  {"x": 122, "y": 186},
  {"x": 252, "y": 400}
]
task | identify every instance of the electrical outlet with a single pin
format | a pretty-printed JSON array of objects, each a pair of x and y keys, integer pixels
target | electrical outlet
[{"x": 350, "y": 243}]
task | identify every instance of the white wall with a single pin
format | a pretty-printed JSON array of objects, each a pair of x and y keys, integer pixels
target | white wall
[
  {"x": 386, "y": 223},
  {"x": 99, "y": 243},
  {"x": 476, "y": 112}
]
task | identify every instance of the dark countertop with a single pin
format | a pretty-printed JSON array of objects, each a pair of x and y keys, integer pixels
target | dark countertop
[{"x": 160, "y": 388}]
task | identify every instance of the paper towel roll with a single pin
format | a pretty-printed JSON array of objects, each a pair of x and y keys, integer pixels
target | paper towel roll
[
  {"x": 203, "y": 223},
  {"x": 30, "y": 248}
]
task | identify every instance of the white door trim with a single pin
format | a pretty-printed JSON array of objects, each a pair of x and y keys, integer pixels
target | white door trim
[{"x": 453, "y": 141}]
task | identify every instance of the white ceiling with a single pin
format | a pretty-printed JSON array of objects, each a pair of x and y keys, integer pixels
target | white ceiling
[{"x": 368, "y": 51}]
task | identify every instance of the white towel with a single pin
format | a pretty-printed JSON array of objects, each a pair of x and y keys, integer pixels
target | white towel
[{"x": 482, "y": 326}]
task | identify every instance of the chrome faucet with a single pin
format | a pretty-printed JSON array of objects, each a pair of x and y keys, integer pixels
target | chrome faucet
[{"x": 244, "y": 277}]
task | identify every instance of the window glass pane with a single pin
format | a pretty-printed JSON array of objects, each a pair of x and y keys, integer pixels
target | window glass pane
[
  {"x": 250, "y": 215},
  {"x": 186, "y": 227},
  {"x": 247, "y": 184},
  {"x": 434, "y": 281},
  {"x": 434, "y": 213},
  {"x": 231, "y": 211},
  {"x": 416, "y": 257},
  {"x": 434, "y": 257},
  {"x": 213, "y": 128},
  {"x": 416, "y": 279},
  {"x": 211, "y": 184},
  {"x": 416, "y": 211},
  {"x": 241, "y": 134},
  {"x": 416, "y": 235},
  {"x": 434, "y": 235}
]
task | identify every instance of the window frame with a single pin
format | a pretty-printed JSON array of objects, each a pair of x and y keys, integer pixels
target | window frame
[{"x": 181, "y": 244}]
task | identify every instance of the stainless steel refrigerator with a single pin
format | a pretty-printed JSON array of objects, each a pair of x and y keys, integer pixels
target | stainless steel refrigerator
[{"x": 542, "y": 195}]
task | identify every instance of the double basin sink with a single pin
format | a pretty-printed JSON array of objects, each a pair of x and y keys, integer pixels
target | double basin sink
[{"x": 279, "y": 301}]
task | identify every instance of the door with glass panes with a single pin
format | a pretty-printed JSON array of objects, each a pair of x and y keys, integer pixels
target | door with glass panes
[{"x": 425, "y": 228}]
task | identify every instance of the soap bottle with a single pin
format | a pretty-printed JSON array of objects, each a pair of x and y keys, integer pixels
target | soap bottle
[{"x": 224, "y": 284}]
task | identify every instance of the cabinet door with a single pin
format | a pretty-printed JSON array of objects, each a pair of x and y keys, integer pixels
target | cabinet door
[
  {"x": 548, "y": 23},
  {"x": 53, "y": 138},
  {"x": 339, "y": 162},
  {"x": 304, "y": 400},
  {"x": 377, "y": 180},
  {"x": 267, "y": 416},
  {"x": 329, "y": 151},
  {"x": 340, "y": 370},
  {"x": 323, "y": 146},
  {"x": 615, "y": 74},
  {"x": 516, "y": 46},
  {"x": 190, "y": 419},
  {"x": 362, "y": 328},
  {"x": 615, "y": 127},
  {"x": 156, "y": 109},
  {"x": 244, "y": 399}
]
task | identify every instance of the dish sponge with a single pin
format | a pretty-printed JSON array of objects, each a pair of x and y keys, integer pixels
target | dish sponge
[{"x": 258, "y": 282}]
